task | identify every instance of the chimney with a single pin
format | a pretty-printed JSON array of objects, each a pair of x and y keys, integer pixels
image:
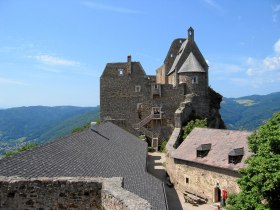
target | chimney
[
  {"x": 129, "y": 64},
  {"x": 93, "y": 126}
]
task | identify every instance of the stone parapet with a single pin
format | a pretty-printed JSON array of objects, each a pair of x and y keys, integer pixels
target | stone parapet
[
  {"x": 67, "y": 193},
  {"x": 172, "y": 140}
]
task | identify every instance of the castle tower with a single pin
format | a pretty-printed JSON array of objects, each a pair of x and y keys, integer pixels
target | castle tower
[{"x": 190, "y": 68}]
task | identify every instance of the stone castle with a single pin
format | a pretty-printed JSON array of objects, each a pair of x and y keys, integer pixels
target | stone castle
[{"x": 156, "y": 104}]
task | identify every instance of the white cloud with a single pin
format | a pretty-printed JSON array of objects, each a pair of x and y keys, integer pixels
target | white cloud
[
  {"x": 276, "y": 8},
  {"x": 251, "y": 61},
  {"x": 6, "y": 81},
  {"x": 109, "y": 8},
  {"x": 272, "y": 63},
  {"x": 257, "y": 73},
  {"x": 225, "y": 68},
  {"x": 269, "y": 65},
  {"x": 214, "y": 5},
  {"x": 239, "y": 81},
  {"x": 52, "y": 60},
  {"x": 277, "y": 46},
  {"x": 276, "y": 11}
]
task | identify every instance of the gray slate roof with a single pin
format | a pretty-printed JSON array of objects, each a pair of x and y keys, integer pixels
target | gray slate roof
[
  {"x": 191, "y": 64},
  {"x": 109, "y": 152},
  {"x": 222, "y": 143},
  {"x": 178, "y": 56}
]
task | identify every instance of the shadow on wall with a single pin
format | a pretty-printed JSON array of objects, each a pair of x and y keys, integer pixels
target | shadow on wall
[{"x": 157, "y": 169}]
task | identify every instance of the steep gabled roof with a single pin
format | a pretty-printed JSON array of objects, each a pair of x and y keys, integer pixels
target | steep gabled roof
[
  {"x": 196, "y": 60},
  {"x": 191, "y": 64},
  {"x": 222, "y": 143},
  {"x": 178, "y": 57},
  {"x": 107, "y": 152}
]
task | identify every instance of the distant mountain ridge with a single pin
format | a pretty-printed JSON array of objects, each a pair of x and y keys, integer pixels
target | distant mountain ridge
[
  {"x": 249, "y": 112},
  {"x": 41, "y": 123}
]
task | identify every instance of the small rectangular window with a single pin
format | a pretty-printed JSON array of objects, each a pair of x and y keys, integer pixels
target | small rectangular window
[
  {"x": 137, "y": 88},
  {"x": 194, "y": 80},
  {"x": 120, "y": 72},
  {"x": 187, "y": 180}
]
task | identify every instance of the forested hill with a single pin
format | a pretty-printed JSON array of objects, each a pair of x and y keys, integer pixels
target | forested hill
[
  {"x": 40, "y": 124},
  {"x": 249, "y": 112}
]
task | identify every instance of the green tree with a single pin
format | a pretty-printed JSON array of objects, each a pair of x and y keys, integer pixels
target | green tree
[
  {"x": 162, "y": 146},
  {"x": 79, "y": 129},
  {"x": 260, "y": 181},
  {"x": 193, "y": 124},
  {"x": 23, "y": 148}
]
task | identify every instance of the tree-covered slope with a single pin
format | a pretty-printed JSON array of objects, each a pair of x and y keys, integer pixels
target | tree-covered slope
[
  {"x": 249, "y": 112},
  {"x": 40, "y": 124}
]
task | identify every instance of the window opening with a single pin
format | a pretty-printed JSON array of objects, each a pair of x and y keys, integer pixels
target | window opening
[
  {"x": 139, "y": 110},
  {"x": 156, "y": 111},
  {"x": 195, "y": 80},
  {"x": 120, "y": 72},
  {"x": 137, "y": 88}
]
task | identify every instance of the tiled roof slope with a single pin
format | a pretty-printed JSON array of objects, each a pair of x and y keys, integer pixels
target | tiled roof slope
[
  {"x": 109, "y": 152},
  {"x": 178, "y": 57},
  {"x": 222, "y": 143},
  {"x": 188, "y": 46},
  {"x": 112, "y": 67},
  {"x": 191, "y": 65}
]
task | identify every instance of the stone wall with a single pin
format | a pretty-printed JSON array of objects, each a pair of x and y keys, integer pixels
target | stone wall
[
  {"x": 119, "y": 99},
  {"x": 121, "y": 94},
  {"x": 67, "y": 193},
  {"x": 197, "y": 178},
  {"x": 161, "y": 77},
  {"x": 201, "y": 179}
]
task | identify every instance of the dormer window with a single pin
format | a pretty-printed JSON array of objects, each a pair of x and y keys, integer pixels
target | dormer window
[
  {"x": 235, "y": 156},
  {"x": 120, "y": 72},
  {"x": 203, "y": 150}
]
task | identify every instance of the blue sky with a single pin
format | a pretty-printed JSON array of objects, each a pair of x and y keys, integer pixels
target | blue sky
[{"x": 52, "y": 52}]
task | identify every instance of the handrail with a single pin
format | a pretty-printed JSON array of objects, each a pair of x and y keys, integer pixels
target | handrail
[{"x": 143, "y": 122}]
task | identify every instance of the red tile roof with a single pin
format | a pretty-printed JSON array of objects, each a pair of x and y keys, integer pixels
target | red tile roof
[{"x": 222, "y": 143}]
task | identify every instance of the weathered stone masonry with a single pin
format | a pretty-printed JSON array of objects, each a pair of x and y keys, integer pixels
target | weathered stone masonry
[
  {"x": 67, "y": 193},
  {"x": 179, "y": 91}
]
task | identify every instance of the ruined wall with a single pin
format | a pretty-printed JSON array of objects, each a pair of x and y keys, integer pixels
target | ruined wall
[
  {"x": 67, "y": 193},
  {"x": 201, "y": 179},
  {"x": 161, "y": 77},
  {"x": 172, "y": 53}
]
